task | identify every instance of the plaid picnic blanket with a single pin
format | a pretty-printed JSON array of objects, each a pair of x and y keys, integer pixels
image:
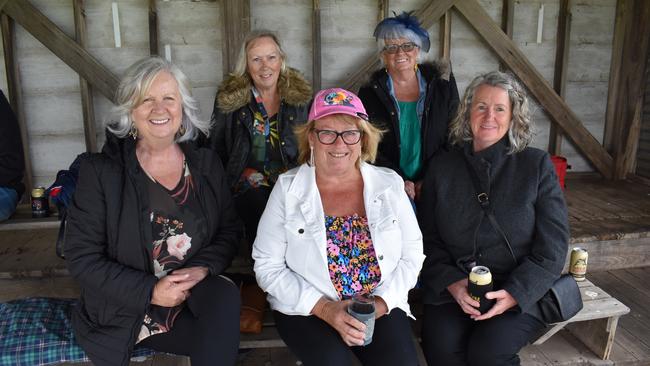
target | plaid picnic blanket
[{"x": 37, "y": 331}]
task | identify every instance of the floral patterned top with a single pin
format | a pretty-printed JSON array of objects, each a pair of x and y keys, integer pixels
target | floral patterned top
[
  {"x": 178, "y": 228},
  {"x": 265, "y": 160},
  {"x": 351, "y": 257}
]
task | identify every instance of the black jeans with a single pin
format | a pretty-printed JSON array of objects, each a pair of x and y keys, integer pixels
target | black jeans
[
  {"x": 450, "y": 337},
  {"x": 207, "y": 329},
  {"x": 316, "y": 343}
]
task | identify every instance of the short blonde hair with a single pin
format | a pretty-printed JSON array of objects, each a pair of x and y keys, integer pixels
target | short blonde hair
[{"x": 371, "y": 135}]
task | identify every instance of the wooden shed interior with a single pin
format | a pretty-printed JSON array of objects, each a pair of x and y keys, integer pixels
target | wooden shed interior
[
  {"x": 584, "y": 62},
  {"x": 596, "y": 105}
]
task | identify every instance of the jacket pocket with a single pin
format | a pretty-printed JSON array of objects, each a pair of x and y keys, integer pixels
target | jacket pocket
[
  {"x": 387, "y": 241},
  {"x": 300, "y": 245}
]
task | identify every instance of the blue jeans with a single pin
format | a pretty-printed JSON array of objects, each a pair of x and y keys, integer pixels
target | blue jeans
[{"x": 8, "y": 202}]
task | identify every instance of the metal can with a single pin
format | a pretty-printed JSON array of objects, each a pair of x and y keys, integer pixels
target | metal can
[
  {"x": 480, "y": 282},
  {"x": 40, "y": 203},
  {"x": 578, "y": 263}
]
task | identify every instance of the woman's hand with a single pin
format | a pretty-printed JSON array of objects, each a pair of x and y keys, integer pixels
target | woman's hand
[
  {"x": 171, "y": 290},
  {"x": 194, "y": 274},
  {"x": 459, "y": 291},
  {"x": 418, "y": 189},
  {"x": 380, "y": 307},
  {"x": 504, "y": 301},
  {"x": 409, "y": 188},
  {"x": 336, "y": 315}
]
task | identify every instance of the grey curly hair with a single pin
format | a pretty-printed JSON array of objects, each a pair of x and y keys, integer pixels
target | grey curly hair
[
  {"x": 133, "y": 88},
  {"x": 520, "y": 132}
]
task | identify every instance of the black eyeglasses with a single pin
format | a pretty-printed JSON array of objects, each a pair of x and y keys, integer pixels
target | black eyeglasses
[
  {"x": 394, "y": 48},
  {"x": 328, "y": 137}
]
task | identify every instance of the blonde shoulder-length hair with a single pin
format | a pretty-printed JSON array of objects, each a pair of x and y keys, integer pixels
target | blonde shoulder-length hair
[
  {"x": 242, "y": 59},
  {"x": 370, "y": 137}
]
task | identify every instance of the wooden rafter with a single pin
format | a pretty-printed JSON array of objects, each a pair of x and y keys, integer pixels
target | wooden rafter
[
  {"x": 560, "y": 72},
  {"x": 428, "y": 15},
  {"x": 15, "y": 94},
  {"x": 445, "y": 36},
  {"x": 87, "y": 106},
  {"x": 559, "y": 111},
  {"x": 153, "y": 28},
  {"x": 237, "y": 23},
  {"x": 65, "y": 48},
  {"x": 630, "y": 87},
  {"x": 316, "y": 69},
  {"x": 614, "y": 75}
]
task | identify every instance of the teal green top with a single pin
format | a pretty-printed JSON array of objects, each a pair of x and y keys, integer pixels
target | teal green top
[{"x": 410, "y": 139}]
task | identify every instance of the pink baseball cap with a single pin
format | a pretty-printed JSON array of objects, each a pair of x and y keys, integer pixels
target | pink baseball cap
[{"x": 336, "y": 101}]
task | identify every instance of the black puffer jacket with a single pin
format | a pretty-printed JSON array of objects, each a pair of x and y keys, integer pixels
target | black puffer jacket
[
  {"x": 232, "y": 118},
  {"x": 528, "y": 204},
  {"x": 106, "y": 243},
  {"x": 440, "y": 105},
  {"x": 12, "y": 164}
]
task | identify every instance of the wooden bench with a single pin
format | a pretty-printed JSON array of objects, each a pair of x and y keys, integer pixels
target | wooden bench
[{"x": 595, "y": 325}]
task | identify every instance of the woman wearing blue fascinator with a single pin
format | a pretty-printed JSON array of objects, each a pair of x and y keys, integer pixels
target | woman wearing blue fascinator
[{"x": 412, "y": 102}]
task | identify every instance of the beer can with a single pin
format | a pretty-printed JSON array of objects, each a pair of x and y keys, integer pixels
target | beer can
[
  {"x": 480, "y": 283},
  {"x": 40, "y": 203},
  {"x": 578, "y": 263}
]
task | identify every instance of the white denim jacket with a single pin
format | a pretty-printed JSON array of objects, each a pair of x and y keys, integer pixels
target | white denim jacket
[{"x": 290, "y": 249}]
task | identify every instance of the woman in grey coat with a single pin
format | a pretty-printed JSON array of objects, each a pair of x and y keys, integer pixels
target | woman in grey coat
[{"x": 490, "y": 135}]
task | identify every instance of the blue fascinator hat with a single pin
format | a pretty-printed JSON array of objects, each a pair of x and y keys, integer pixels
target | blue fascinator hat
[{"x": 396, "y": 26}]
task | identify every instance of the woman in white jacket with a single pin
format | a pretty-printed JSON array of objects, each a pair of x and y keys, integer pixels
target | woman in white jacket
[{"x": 334, "y": 227}]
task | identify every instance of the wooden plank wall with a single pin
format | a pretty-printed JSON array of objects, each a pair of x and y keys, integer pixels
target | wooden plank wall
[{"x": 346, "y": 42}]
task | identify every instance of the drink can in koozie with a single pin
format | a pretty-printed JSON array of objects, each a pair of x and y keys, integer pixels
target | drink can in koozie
[
  {"x": 578, "y": 263},
  {"x": 480, "y": 282},
  {"x": 362, "y": 308}
]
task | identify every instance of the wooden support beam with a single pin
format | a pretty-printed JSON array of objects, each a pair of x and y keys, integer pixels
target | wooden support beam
[
  {"x": 153, "y": 28},
  {"x": 507, "y": 21},
  {"x": 428, "y": 15},
  {"x": 15, "y": 95},
  {"x": 561, "y": 64},
  {"x": 87, "y": 106},
  {"x": 39, "y": 26},
  {"x": 445, "y": 36},
  {"x": 237, "y": 23},
  {"x": 384, "y": 10},
  {"x": 610, "y": 134},
  {"x": 316, "y": 68},
  {"x": 508, "y": 17},
  {"x": 508, "y": 52},
  {"x": 630, "y": 88}
]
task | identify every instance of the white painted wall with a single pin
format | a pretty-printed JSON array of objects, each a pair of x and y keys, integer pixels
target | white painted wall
[{"x": 193, "y": 29}]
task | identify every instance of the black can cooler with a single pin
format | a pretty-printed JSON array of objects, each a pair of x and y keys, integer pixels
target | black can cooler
[{"x": 480, "y": 283}]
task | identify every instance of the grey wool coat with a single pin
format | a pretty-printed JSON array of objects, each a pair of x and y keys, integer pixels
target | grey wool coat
[{"x": 528, "y": 204}]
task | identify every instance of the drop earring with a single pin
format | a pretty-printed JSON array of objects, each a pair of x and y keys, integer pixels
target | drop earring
[
  {"x": 133, "y": 132},
  {"x": 181, "y": 131}
]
